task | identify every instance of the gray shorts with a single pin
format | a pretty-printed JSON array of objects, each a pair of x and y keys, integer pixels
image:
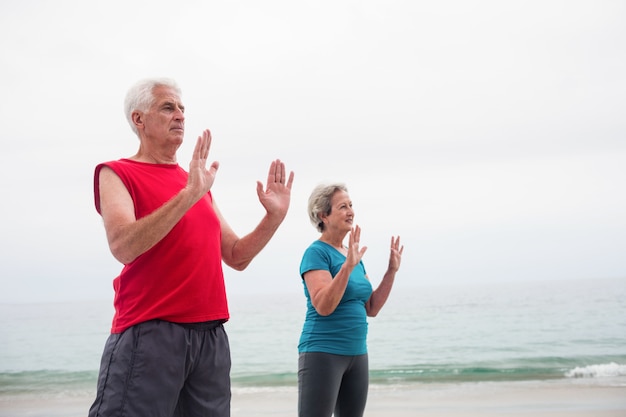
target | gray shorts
[
  {"x": 330, "y": 383},
  {"x": 162, "y": 369}
]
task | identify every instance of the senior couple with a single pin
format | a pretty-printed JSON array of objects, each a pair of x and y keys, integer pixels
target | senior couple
[{"x": 168, "y": 353}]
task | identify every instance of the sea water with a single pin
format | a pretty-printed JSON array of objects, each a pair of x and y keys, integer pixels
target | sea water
[{"x": 573, "y": 330}]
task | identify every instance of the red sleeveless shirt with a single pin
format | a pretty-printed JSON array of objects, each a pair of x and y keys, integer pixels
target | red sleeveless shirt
[{"x": 180, "y": 279}]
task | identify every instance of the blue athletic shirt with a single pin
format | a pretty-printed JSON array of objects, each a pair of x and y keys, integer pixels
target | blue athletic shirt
[{"x": 344, "y": 332}]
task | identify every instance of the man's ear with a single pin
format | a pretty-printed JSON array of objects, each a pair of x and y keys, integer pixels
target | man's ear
[{"x": 137, "y": 118}]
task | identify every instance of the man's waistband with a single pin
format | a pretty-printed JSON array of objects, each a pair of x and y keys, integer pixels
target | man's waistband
[{"x": 204, "y": 325}]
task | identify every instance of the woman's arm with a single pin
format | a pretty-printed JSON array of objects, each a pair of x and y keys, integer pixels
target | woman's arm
[
  {"x": 326, "y": 292},
  {"x": 381, "y": 294}
]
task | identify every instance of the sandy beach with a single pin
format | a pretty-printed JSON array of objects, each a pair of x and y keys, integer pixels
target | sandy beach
[{"x": 511, "y": 399}]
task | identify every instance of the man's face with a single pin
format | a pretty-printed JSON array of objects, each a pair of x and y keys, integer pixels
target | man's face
[{"x": 164, "y": 122}]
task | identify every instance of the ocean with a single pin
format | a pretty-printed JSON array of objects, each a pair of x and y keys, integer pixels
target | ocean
[{"x": 535, "y": 331}]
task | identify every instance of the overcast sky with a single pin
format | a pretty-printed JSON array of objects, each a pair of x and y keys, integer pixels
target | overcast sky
[{"x": 490, "y": 135}]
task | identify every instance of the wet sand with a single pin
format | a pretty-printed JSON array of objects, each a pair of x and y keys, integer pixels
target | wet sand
[{"x": 510, "y": 399}]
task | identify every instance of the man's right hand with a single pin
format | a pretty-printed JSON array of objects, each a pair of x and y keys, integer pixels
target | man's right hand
[{"x": 200, "y": 179}]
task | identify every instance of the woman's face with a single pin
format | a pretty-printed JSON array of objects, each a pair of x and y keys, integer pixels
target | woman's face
[{"x": 341, "y": 214}]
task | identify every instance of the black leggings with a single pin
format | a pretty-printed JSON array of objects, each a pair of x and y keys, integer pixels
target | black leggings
[{"x": 328, "y": 383}]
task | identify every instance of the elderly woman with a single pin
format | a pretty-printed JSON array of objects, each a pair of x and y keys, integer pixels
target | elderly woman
[{"x": 333, "y": 364}]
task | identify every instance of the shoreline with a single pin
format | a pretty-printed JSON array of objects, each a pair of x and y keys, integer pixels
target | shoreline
[{"x": 571, "y": 398}]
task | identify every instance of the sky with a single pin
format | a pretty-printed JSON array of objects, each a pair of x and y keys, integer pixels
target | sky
[{"x": 489, "y": 135}]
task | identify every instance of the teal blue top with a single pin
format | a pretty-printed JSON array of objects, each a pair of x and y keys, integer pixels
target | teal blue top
[{"x": 344, "y": 332}]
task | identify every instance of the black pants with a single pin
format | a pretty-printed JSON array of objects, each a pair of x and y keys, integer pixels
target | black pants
[{"x": 328, "y": 383}]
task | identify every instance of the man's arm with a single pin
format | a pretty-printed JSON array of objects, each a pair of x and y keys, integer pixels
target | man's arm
[
  {"x": 128, "y": 237},
  {"x": 238, "y": 252}
]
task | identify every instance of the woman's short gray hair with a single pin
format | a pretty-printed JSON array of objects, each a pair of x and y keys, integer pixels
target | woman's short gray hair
[
  {"x": 141, "y": 96},
  {"x": 320, "y": 202}
]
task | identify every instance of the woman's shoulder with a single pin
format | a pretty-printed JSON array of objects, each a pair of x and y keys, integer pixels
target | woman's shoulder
[
  {"x": 316, "y": 248},
  {"x": 319, "y": 246}
]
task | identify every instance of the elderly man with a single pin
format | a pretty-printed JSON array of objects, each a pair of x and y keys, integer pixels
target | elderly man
[{"x": 168, "y": 354}]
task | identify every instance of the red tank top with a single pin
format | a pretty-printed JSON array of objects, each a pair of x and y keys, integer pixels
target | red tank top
[{"x": 180, "y": 279}]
